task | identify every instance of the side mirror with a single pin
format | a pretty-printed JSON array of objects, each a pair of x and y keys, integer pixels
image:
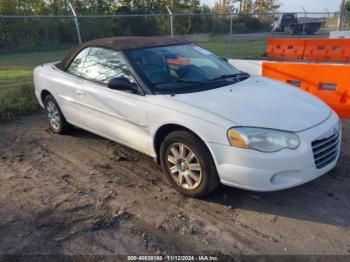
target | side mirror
[
  {"x": 122, "y": 84},
  {"x": 225, "y": 59}
]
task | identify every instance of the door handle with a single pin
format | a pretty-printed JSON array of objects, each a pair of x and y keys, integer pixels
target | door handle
[{"x": 80, "y": 93}]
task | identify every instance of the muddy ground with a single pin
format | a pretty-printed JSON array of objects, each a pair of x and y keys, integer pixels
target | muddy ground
[{"x": 82, "y": 194}]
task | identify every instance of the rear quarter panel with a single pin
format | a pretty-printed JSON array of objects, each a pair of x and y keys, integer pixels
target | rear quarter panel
[{"x": 60, "y": 85}]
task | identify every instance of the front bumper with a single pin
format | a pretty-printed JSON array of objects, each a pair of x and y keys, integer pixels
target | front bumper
[{"x": 258, "y": 171}]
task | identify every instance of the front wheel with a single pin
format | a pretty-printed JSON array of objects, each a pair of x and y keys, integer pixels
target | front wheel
[
  {"x": 56, "y": 119},
  {"x": 188, "y": 164}
]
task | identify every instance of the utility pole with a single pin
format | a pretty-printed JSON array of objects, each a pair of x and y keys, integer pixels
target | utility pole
[
  {"x": 341, "y": 15},
  {"x": 328, "y": 16},
  {"x": 171, "y": 21},
  {"x": 231, "y": 32},
  {"x": 328, "y": 13},
  {"x": 305, "y": 19},
  {"x": 76, "y": 22}
]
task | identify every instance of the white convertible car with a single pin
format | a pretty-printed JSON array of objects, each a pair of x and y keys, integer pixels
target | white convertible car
[{"x": 203, "y": 120}]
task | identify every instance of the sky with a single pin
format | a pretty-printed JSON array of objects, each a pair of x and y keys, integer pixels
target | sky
[{"x": 296, "y": 5}]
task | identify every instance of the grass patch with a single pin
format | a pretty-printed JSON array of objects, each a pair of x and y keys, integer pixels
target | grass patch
[
  {"x": 17, "y": 95},
  {"x": 248, "y": 49},
  {"x": 15, "y": 76},
  {"x": 17, "y": 100},
  {"x": 17, "y": 69},
  {"x": 31, "y": 59}
]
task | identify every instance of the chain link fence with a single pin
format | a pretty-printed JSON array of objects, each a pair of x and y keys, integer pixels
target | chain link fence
[
  {"x": 27, "y": 41},
  {"x": 29, "y": 34}
]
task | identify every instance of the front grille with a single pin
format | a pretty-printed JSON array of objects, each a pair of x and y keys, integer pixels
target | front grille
[{"x": 326, "y": 148}]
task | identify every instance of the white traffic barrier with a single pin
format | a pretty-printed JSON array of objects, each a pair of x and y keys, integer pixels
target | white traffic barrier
[
  {"x": 339, "y": 34},
  {"x": 252, "y": 67}
]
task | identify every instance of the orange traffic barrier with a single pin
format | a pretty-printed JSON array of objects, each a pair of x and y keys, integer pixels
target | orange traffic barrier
[
  {"x": 327, "y": 50},
  {"x": 320, "y": 49},
  {"x": 330, "y": 82},
  {"x": 285, "y": 48}
]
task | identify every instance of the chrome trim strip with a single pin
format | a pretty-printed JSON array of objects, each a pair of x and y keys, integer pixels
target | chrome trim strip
[
  {"x": 329, "y": 132},
  {"x": 325, "y": 154},
  {"x": 326, "y": 161},
  {"x": 331, "y": 152},
  {"x": 316, "y": 152}
]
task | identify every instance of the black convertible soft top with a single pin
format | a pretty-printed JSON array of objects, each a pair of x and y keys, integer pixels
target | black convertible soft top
[{"x": 120, "y": 43}]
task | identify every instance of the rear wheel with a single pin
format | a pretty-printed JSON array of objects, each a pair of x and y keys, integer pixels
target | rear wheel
[
  {"x": 56, "y": 119},
  {"x": 188, "y": 164},
  {"x": 292, "y": 30}
]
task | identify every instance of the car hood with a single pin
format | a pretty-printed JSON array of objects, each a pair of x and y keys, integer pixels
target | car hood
[{"x": 261, "y": 102}]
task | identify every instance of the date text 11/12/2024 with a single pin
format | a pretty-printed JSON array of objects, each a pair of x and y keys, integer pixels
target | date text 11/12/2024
[{"x": 173, "y": 258}]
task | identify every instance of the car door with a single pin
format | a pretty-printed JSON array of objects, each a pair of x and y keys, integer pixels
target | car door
[
  {"x": 115, "y": 114},
  {"x": 68, "y": 85}
]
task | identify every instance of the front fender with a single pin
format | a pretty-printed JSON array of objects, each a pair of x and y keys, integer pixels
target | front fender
[{"x": 211, "y": 129}]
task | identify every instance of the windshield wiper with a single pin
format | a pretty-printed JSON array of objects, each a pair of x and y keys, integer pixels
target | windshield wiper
[
  {"x": 178, "y": 81},
  {"x": 222, "y": 77}
]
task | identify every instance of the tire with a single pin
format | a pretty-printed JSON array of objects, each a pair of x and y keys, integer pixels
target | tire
[
  {"x": 56, "y": 119},
  {"x": 181, "y": 170},
  {"x": 292, "y": 31}
]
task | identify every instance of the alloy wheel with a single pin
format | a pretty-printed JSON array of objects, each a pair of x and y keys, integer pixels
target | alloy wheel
[
  {"x": 184, "y": 166},
  {"x": 53, "y": 115}
]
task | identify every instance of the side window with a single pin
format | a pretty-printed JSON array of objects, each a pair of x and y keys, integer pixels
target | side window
[
  {"x": 102, "y": 65},
  {"x": 77, "y": 64}
]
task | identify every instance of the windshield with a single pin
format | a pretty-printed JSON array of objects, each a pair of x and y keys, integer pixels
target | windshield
[{"x": 182, "y": 68}]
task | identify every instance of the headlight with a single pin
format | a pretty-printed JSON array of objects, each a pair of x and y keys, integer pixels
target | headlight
[{"x": 262, "y": 139}]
